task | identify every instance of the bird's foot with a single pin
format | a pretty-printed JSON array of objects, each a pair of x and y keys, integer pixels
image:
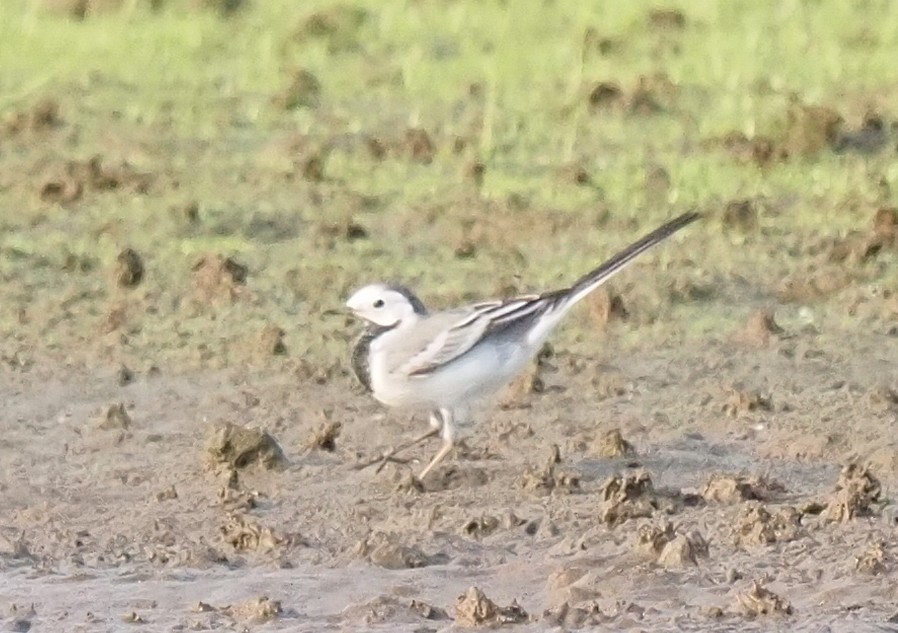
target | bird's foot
[{"x": 382, "y": 460}]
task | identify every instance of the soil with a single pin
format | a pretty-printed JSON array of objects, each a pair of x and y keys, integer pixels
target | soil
[{"x": 163, "y": 501}]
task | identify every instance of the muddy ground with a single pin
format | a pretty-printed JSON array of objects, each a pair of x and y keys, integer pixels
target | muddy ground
[
  {"x": 713, "y": 508},
  {"x": 710, "y": 444}
]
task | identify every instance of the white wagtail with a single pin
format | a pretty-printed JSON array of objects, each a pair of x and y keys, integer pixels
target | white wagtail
[{"x": 444, "y": 361}]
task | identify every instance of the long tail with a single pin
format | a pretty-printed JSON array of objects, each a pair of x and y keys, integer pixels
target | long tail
[{"x": 595, "y": 278}]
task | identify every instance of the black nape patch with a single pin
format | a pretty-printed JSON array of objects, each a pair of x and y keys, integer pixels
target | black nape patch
[{"x": 416, "y": 303}]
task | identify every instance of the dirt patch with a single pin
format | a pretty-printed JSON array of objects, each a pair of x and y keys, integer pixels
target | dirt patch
[{"x": 473, "y": 608}]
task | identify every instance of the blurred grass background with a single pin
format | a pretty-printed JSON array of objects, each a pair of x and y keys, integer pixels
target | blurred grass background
[{"x": 289, "y": 136}]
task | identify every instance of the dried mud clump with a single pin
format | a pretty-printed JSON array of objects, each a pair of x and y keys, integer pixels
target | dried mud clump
[
  {"x": 257, "y": 611},
  {"x": 338, "y": 26},
  {"x": 805, "y": 131},
  {"x": 759, "y": 601},
  {"x": 239, "y": 447},
  {"x": 271, "y": 341},
  {"x": 246, "y": 535},
  {"x": 43, "y": 115},
  {"x": 481, "y": 526},
  {"x": 68, "y": 182},
  {"x": 224, "y": 8},
  {"x": 345, "y": 229},
  {"x": 810, "y": 129},
  {"x": 115, "y": 418},
  {"x": 813, "y": 284},
  {"x": 325, "y": 437},
  {"x": 574, "y": 173},
  {"x": 885, "y": 225},
  {"x": 632, "y": 496},
  {"x": 303, "y": 90},
  {"x": 666, "y": 19},
  {"x": 651, "y": 95},
  {"x": 870, "y": 137},
  {"x": 873, "y": 561},
  {"x": 216, "y": 277},
  {"x": 857, "y": 493},
  {"x": 549, "y": 479},
  {"x": 528, "y": 382},
  {"x": 738, "y": 488},
  {"x": 573, "y": 585},
  {"x": 859, "y": 246},
  {"x": 574, "y": 617},
  {"x": 605, "y": 94},
  {"x": 473, "y": 608},
  {"x": 758, "y": 526},
  {"x": 760, "y": 150},
  {"x": 740, "y": 216},
  {"x": 741, "y": 401},
  {"x": 613, "y": 444},
  {"x": 129, "y": 268},
  {"x": 418, "y": 146},
  {"x": 759, "y": 330},
  {"x": 387, "y": 551},
  {"x": 670, "y": 548},
  {"x": 606, "y": 306}
]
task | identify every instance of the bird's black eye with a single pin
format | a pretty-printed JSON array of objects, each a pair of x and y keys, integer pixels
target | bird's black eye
[{"x": 379, "y": 303}]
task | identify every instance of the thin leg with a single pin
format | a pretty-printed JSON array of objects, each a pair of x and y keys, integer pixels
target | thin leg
[
  {"x": 448, "y": 445},
  {"x": 448, "y": 433},
  {"x": 436, "y": 425}
]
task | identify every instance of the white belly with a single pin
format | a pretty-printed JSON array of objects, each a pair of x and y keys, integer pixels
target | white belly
[{"x": 475, "y": 375}]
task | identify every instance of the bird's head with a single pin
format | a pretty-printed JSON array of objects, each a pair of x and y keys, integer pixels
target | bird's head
[{"x": 385, "y": 305}]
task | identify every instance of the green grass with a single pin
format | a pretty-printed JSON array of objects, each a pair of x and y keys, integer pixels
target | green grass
[{"x": 187, "y": 95}]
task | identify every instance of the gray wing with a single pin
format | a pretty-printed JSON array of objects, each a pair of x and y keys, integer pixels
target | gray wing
[{"x": 474, "y": 324}]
